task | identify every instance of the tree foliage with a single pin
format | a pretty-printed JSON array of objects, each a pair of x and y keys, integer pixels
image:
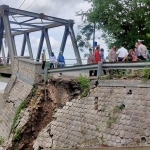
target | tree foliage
[{"x": 122, "y": 21}]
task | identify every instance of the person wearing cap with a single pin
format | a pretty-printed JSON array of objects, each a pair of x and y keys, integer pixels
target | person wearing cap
[
  {"x": 142, "y": 50},
  {"x": 122, "y": 53},
  {"x": 43, "y": 59},
  {"x": 61, "y": 60}
]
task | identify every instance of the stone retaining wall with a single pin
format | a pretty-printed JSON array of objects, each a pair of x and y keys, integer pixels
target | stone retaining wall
[
  {"x": 86, "y": 122},
  {"x": 18, "y": 93},
  {"x": 25, "y": 74}
]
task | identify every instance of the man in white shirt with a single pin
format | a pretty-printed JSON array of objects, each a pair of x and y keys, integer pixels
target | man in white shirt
[
  {"x": 122, "y": 53},
  {"x": 142, "y": 50}
]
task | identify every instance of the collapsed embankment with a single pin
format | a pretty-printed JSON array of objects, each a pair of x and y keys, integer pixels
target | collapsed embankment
[
  {"x": 39, "y": 110},
  {"x": 114, "y": 113}
]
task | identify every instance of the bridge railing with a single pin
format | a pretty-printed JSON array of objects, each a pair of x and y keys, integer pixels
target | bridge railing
[
  {"x": 69, "y": 62},
  {"x": 100, "y": 67}
]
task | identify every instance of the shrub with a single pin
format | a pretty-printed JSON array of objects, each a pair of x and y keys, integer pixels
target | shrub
[
  {"x": 84, "y": 84},
  {"x": 111, "y": 116},
  {"x": 146, "y": 73},
  {"x": 119, "y": 107}
]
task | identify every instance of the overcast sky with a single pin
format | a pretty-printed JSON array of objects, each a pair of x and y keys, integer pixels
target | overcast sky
[{"x": 58, "y": 8}]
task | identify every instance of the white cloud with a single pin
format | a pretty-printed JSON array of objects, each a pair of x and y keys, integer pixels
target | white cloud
[
  {"x": 54, "y": 43},
  {"x": 59, "y": 8}
]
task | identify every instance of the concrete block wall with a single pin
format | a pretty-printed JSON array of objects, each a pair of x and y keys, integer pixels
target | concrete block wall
[
  {"x": 16, "y": 62},
  {"x": 27, "y": 70},
  {"x": 25, "y": 74},
  {"x": 9, "y": 86},
  {"x": 87, "y": 119},
  {"x": 18, "y": 93}
]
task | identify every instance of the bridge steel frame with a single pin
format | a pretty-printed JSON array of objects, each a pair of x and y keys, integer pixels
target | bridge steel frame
[{"x": 44, "y": 23}]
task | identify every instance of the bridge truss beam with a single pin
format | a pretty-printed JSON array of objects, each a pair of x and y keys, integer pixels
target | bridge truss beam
[{"x": 32, "y": 22}]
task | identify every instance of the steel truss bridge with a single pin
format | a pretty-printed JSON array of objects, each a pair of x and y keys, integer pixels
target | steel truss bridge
[{"x": 32, "y": 22}]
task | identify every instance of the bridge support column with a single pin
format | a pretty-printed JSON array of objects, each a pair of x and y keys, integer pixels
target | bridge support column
[
  {"x": 9, "y": 37},
  {"x": 29, "y": 45},
  {"x": 23, "y": 46},
  {"x": 8, "y": 58},
  {"x": 3, "y": 54},
  {"x": 15, "y": 51},
  {"x": 1, "y": 33},
  {"x": 40, "y": 47},
  {"x": 74, "y": 43},
  {"x": 49, "y": 48},
  {"x": 64, "y": 40}
]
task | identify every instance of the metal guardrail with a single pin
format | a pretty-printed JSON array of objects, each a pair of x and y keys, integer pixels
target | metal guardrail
[{"x": 100, "y": 67}]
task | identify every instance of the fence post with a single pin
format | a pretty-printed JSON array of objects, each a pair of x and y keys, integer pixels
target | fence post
[
  {"x": 99, "y": 72},
  {"x": 45, "y": 74}
]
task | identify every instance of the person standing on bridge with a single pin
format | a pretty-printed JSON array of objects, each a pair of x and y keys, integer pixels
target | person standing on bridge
[
  {"x": 112, "y": 58},
  {"x": 52, "y": 60},
  {"x": 61, "y": 60},
  {"x": 43, "y": 59},
  {"x": 102, "y": 58},
  {"x": 142, "y": 50},
  {"x": 96, "y": 58},
  {"x": 90, "y": 60},
  {"x": 97, "y": 55},
  {"x": 122, "y": 53},
  {"x": 112, "y": 54}
]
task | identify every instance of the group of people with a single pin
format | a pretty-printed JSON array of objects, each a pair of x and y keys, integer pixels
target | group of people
[
  {"x": 95, "y": 56},
  {"x": 140, "y": 52},
  {"x": 54, "y": 62}
]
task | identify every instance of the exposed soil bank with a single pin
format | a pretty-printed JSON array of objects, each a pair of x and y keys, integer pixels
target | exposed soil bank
[{"x": 42, "y": 103}]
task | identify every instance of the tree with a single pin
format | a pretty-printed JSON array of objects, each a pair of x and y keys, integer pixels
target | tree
[{"x": 121, "y": 21}]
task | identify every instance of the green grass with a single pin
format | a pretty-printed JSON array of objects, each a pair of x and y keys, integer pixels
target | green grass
[
  {"x": 97, "y": 128},
  {"x": 47, "y": 64},
  {"x": 1, "y": 140},
  {"x": 84, "y": 83},
  {"x": 1, "y": 76},
  {"x": 3, "y": 66},
  {"x": 146, "y": 73},
  {"x": 17, "y": 135},
  {"x": 119, "y": 107},
  {"x": 21, "y": 106}
]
